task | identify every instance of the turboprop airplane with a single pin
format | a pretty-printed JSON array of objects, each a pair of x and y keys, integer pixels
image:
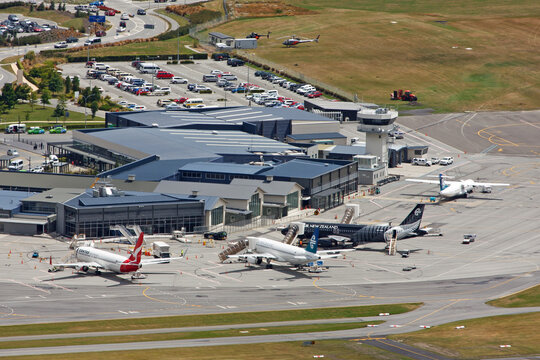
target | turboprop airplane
[
  {"x": 274, "y": 250},
  {"x": 363, "y": 233},
  {"x": 462, "y": 188},
  {"x": 90, "y": 257}
]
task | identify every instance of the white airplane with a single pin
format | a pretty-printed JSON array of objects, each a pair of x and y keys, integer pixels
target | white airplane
[
  {"x": 90, "y": 257},
  {"x": 274, "y": 250},
  {"x": 452, "y": 189}
]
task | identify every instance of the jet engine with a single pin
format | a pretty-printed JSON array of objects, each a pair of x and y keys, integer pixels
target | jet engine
[{"x": 253, "y": 260}]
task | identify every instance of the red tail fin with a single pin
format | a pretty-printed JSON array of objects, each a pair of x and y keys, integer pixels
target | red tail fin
[{"x": 137, "y": 251}]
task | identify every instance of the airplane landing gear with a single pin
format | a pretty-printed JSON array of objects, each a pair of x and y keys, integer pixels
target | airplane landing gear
[
  {"x": 268, "y": 265},
  {"x": 138, "y": 275}
]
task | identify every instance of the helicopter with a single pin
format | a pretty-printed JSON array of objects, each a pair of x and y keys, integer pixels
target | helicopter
[
  {"x": 293, "y": 40},
  {"x": 254, "y": 35}
]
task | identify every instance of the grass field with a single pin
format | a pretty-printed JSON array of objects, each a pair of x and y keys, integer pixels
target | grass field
[
  {"x": 526, "y": 298},
  {"x": 204, "y": 320},
  {"x": 58, "y": 17},
  {"x": 146, "y": 48},
  {"x": 481, "y": 337},
  {"x": 182, "y": 21},
  {"x": 458, "y": 55},
  {"x": 331, "y": 349},
  {"x": 43, "y": 117},
  {"x": 273, "y": 330}
]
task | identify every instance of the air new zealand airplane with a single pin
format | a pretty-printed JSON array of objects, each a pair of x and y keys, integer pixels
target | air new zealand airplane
[{"x": 364, "y": 233}]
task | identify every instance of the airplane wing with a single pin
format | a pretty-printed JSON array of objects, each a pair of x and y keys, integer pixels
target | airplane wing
[
  {"x": 338, "y": 238},
  {"x": 77, "y": 265},
  {"x": 253, "y": 256},
  {"x": 489, "y": 184},
  {"x": 427, "y": 181},
  {"x": 160, "y": 260}
]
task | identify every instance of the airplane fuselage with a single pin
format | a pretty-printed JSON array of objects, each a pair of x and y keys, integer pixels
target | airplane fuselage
[
  {"x": 283, "y": 252},
  {"x": 457, "y": 189},
  {"x": 107, "y": 260}
]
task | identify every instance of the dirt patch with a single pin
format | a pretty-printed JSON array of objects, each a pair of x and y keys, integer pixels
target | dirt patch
[
  {"x": 185, "y": 10},
  {"x": 56, "y": 35},
  {"x": 267, "y": 8}
]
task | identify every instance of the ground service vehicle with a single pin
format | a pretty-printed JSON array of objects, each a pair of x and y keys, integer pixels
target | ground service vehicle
[
  {"x": 421, "y": 162},
  {"x": 57, "y": 130},
  {"x": 220, "y": 235},
  {"x": 16, "y": 128},
  {"x": 36, "y": 130},
  {"x": 160, "y": 249},
  {"x": 406, "y": 95},
  {"x": 16, "y": 165}
]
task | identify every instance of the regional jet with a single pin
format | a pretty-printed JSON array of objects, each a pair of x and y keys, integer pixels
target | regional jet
[
  {"x": 261, "y": 248},
  {"x": 90, "y": 257},
  {"x": 462, "y": 188}
]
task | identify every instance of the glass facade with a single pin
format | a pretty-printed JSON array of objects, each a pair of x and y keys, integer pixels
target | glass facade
[
  {"x": 255, "y": 205},
  {"x": 217, "y": 216},
  {"x": 292, "y": 201},
  {"x": 153, "y": 219}
]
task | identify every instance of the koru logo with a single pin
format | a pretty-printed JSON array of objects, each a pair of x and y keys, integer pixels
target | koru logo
[
  {"x": 312, "y": 241},
  {"x": 417, "y": 212}
]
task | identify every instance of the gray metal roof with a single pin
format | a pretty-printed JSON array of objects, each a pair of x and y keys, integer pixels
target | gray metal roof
[
  {"x": 56, "y": 195},
  {"x": 317, "y": 136},
  {"x": 226, "y": 168},
  {"x": 224, "y": 191},
  {"x": 340, "y": 105},
  {"x": 220, "y": 35},
  {"x": 303, "y": 169},
  {"x": 217, "y": 118},
  {"x": 11, "y": 200},
  {"x": 346, "y": 150},
  {"x": 274, "y": 187},
  {"x": 176, "y": 144}
]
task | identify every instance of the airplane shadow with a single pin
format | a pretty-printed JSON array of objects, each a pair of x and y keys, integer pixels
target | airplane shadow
[
  {"x": 108, "y": 276},
  {"x": 294, "y": 274}
]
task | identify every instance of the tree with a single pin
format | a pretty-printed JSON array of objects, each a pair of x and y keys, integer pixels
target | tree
[
  {"x": 31, "y": 7},
  {"x": 52, "y": 6},
  {"x": 9, "y": 98},
  {"x": 33, "y": 99},
  {"x": 94, "y": 107},
  {"x": 55, "y": 82},
  {"x": 96, "y": 94},
  {"x": 41, "y": 7},
  {"x": 67, "y": 85},
  {"x": 30, "y": 56},
  {"x": 76, "y": 84},
  {"x": 58, "y": 111},
  {"x": 45, "y": 97},
  {"x": 22, "y": 92}
]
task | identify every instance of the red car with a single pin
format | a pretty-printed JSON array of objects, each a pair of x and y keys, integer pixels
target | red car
[
  {"x": 314, "y": 94},
  {"x": 89, "y": 64},
  {"x": 142, "y": 92},
  {"x": 164, "y": 75},
  {"x": 180, "y": 100},
  {"x": 110, "y": 12},
  {"x": 101, "y": 33}
]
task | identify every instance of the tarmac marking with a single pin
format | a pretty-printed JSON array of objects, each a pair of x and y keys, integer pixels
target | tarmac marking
[
  {"x": 201, "y": 277},
  {"x": 340, "y": 293},
  {"x": 495, "y": 139},
  {"x": 164, "y": 301},
  {"x": 466, "y": 123},
  {"x": 406, "y": 350},
  {"x": 30, "y": 286},
  {"x": 218, "y": 274},
  {"x": 435, "y": 311},
  {"x": 290, "y": 302}
]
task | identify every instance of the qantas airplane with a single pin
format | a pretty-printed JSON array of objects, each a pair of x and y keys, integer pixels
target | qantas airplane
[
  {"x": 453, "y": 189},
  {"x": 363, "y": 233},
  {"x": 90, "y": 257},
  {"x": 274, "y": 250}
]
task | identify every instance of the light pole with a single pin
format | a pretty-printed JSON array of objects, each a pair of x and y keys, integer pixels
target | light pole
[
  {"x": 178, "y": 57},
  {"x": 88, "y": 46}
]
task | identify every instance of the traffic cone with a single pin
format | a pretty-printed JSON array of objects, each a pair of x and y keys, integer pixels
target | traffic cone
[{"x": 22, "y": 261}]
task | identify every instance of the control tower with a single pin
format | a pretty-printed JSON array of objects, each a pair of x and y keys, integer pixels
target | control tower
[{"x": 377, "y": 123}]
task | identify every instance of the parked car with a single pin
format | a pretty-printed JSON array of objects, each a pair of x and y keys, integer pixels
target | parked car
[
  {"x": 178, "y": 80},
  {"x": 110, "y": 13},
  {"x": 435, "y": 160},
  {"x": 12, "y": 152},
  {"x": 447, "y": 160},
  {"x": 173, "y": 106},
  {"x": 421, "y": 162},
  {"x": 36, "y": 130},
  {"x": 314, "y": 94},
  {"x": 161, "y": 74},
  {"x": 235, "y": 62},
  {"x": 57, "y": 130},
  {"x": 124, "y": 16},
  {"x": 141, "y": 12}
]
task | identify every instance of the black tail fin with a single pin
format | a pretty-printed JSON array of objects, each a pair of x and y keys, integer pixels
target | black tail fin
[{"x": 415, "y": 215}]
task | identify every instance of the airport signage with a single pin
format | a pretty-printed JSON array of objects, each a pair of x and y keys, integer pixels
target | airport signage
[{"x": 96, "y": 19}]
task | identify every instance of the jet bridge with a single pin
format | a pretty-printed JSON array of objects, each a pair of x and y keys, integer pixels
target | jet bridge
[
  {"x": 295, "y": 229},
  {"x": 233, "y": 249},
  {"x": 351, "y": 211}
]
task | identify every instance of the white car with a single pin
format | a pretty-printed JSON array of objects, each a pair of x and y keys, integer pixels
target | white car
[
  {"x": 61, "y": 45},
  {"x": 121, "y": 29},
  {"x": 178, "y": 80},
  {"x": 139, "y": 107},
  {"x": 447, "y": 160},
  {"x": 173, "y": 106},
  {"x": 37, "y": 169},
  {"x": 12, "y": 152},
  {"x": 216, "y": 72},
  {"x": 421, "y": 162},
  {"x": 124, "y": 16},
  {"x": 123, "y": 103}
]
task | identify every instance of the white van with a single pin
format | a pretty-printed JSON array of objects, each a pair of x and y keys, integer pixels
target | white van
[
  {"x": 193, "y": 102},
  {"x": 148, "y": 68},
  {"x": 16, "y": 165}
]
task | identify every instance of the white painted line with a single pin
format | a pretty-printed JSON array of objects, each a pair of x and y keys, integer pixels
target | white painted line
[
  {"x": 123, "y": 312},
  {"x": 223, "y": 307},
  {"x": 290, "y": 302}
]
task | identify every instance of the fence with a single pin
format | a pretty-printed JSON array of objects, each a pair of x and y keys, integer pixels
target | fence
[{"x": 194, "y": 31}]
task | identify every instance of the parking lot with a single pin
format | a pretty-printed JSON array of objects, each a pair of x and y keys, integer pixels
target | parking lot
[{"x": 192, "y": 72}]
